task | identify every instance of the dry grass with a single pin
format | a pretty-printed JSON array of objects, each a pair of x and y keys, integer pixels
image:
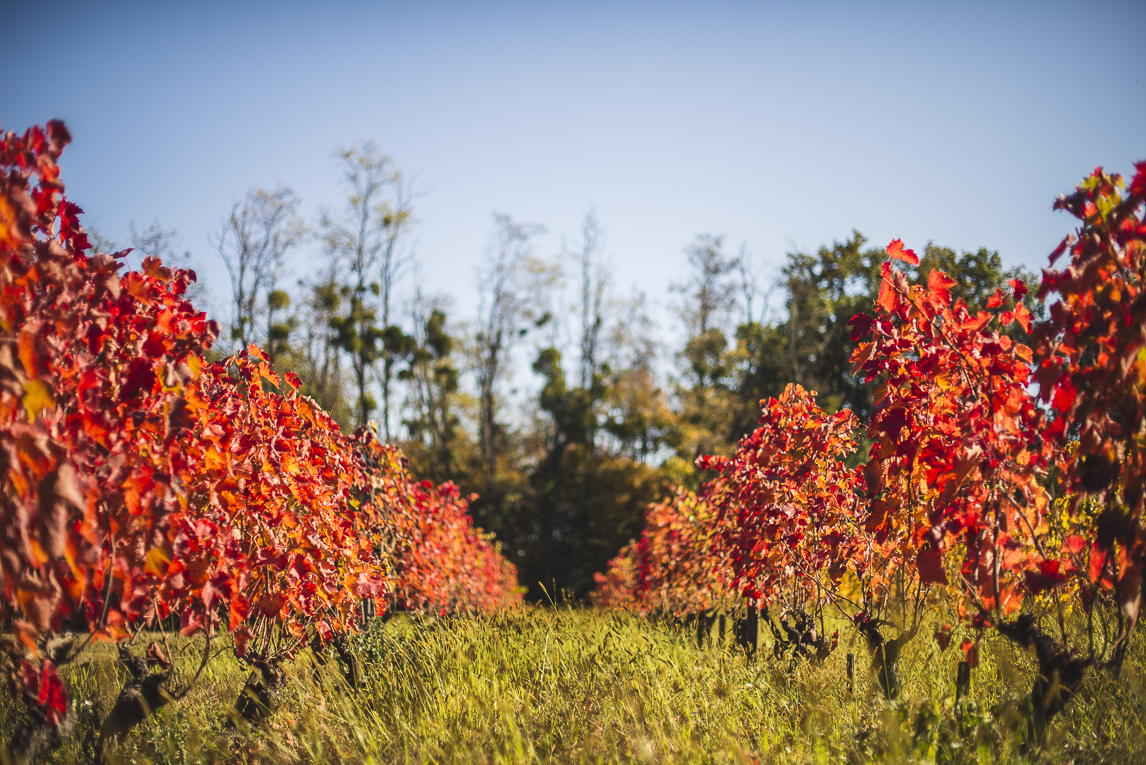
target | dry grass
[{"x": 571, "y": 685}]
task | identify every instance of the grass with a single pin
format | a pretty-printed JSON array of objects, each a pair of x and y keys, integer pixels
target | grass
[{"x": 574, "y": 685}]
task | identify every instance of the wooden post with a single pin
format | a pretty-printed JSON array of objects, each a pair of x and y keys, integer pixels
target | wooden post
[
  {"x": 851, "y": 673},
  {"x": 749, "y": 633},
  {"x": 704, "y": 621},
  {"x": 753, "y": 630},
  {"x": 723, "y": 626},
  {"x": 962, "y": 682}
]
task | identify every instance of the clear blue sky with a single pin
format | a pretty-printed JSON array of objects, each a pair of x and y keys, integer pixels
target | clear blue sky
[{"x": 781, "y": 125}]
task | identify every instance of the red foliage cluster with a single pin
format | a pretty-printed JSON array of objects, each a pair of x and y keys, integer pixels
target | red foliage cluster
[
  {"x": 443, "y": 562},
  {"x": 677, "y": 567},
  {"x": 790, "y": 501},
  {"x": 1092, "y": 370},
  {"x": 140, "y": 483},
  {"x": 617, "y": 586},
  {"x": 956, "y": 456}
]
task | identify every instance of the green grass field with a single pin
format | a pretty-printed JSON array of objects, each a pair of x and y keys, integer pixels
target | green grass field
[{"x": 573, "y": 685}]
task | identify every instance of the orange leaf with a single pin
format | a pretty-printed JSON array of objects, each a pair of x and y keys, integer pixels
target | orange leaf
[
  {"x": 981, "y": 320},
  {"x": 939, "y": 287},
  {"x": 1023, "y": 316},
  {"x": 897, "y": 252},
  {"x": 888, "y": 300}
]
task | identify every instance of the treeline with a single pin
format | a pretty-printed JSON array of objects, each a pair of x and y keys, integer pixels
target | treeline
[{"x": 563, "y": 473}]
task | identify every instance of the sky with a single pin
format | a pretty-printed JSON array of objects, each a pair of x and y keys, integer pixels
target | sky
[{"x": 783, "y": 126}]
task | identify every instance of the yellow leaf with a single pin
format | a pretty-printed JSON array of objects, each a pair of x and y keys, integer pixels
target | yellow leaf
[
  {"x": 37, "y": 397},
  {"x": 157, "y": 560}
]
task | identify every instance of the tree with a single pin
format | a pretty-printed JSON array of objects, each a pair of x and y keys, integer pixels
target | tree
[
  {"x": 278, "y": 332},
  {"x": 824, "y": 291},
  {"x": 594, "y": 284},
  {"x": 580, "y": 503},
  {"x": 636, "y": 411},
  {"x": 432, "y": 379},
  {"x": 253, "y": 242},
  {"x": 501, "y": 309},
  {"x": 570, "y": 424},
  {"x": 317, "y": 355},
  {"x": 397, "y": 220},
  {"x": 365, "y": 243},
  {"x": 709, "y": 295},
  {"x": 708, "y": 298}
]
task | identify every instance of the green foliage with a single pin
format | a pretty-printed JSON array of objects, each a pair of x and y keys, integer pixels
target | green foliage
[{"x": 812, "y": 345}]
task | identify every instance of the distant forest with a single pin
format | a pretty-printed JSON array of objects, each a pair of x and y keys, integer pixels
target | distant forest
[{"x": 614, "y": 419}]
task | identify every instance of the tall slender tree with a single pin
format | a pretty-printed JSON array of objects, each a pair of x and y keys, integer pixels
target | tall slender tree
[
  {"x": 393, "y": 261},
  {"x": 317, "y": 352},
  {"x": 594, "y": 282},
  {"x": 253, "y": 242},
  {"x": 707, "y": 301},
  {"x": 501, "y": 309},
  {"x": 433, "y": 379},
  {"x": 364, "y": 243}
]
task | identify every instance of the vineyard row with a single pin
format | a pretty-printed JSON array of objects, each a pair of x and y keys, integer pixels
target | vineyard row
[
  {"x": 996, "y": 487},
  {"x": 145, "y": 488}
]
